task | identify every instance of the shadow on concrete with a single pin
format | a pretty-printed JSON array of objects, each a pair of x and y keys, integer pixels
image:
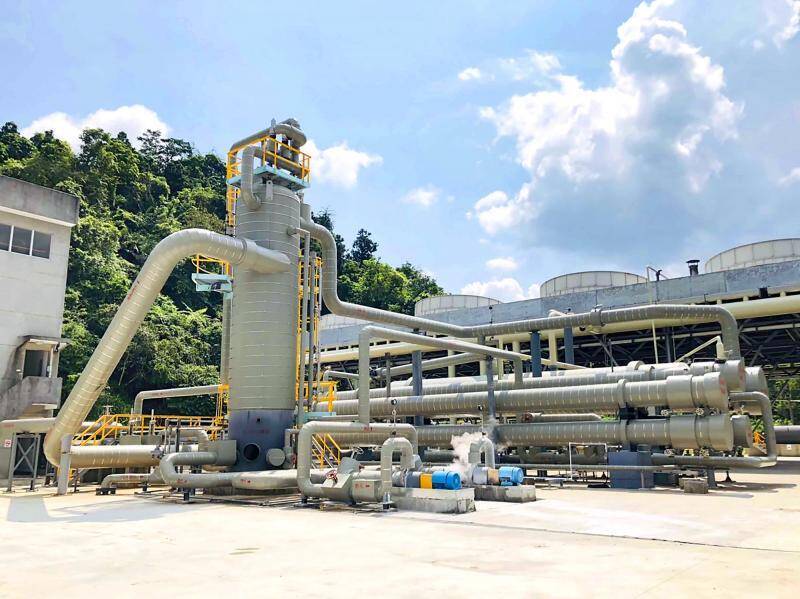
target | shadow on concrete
[{"x": 36, "y": 509}]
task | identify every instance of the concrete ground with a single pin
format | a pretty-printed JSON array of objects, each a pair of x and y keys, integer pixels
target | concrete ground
[{"x": 742, "y": 540}]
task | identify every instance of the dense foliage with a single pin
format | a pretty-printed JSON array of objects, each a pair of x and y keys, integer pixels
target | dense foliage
[{"x": 129, "y": 200}]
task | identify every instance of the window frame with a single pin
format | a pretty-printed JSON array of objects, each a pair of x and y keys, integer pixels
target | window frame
[
  {"x": 33, "y": 235},
  {"x": 13, "y": 238},
  {"x": 49, "y": 237},
  {"x": 10, "y": 237}
]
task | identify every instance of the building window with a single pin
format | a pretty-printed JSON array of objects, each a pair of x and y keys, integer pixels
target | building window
[
  {"x": 21, "y": 241},
  {"x": 41, "y": 244},
  {"x": 5, "y": 236},
  {"x": 25, "y": 241}
]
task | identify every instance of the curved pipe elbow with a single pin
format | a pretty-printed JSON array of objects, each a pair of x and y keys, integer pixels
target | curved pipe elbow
[
  {"x": 173, "y": 478},
  {"x": 484, "y": 446},
  {"x": 388, "y": 448},
  {"x": 134, "y": 308},
  {"x": 246, "y": 184},
  {"x": 595, "y": 318}
]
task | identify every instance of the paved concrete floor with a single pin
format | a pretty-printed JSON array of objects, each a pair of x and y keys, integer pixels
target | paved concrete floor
[{"x": 740, "y": 541}]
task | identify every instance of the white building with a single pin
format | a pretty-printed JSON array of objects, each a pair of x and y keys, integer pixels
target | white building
[{"x": 35, "y": 227}]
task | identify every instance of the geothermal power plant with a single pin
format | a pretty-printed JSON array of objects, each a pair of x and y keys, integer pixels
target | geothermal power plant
[{"x": 436, "y": 412}]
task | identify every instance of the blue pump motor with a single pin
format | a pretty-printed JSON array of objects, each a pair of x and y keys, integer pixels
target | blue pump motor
[
  {"x": 445, "y": 479},
  {"x": 510, "y": 476}
]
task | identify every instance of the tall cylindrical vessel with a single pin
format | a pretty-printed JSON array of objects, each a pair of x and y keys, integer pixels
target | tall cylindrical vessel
[{"x": 264, "y": 332}]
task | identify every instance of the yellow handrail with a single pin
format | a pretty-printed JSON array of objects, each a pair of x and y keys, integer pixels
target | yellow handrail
[{"x": 112, "y": 426}]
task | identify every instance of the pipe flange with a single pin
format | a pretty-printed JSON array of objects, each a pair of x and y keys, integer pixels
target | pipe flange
[{"x": 619, "y": 393}]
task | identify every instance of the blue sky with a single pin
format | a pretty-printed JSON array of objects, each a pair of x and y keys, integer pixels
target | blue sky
[{"x": 492, "y": 144}]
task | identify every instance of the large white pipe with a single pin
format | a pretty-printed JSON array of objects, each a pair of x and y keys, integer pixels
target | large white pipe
[
  {"x": 678, "y": 393},
  {"x": 597, "y": 318},
  {"x": 381, "y": 432},
  {"x": 757, "y": 308},
  {"x": 138, "y": 401},
  {"x": 145, "y": 289},
  {"x": 760, "y": 400},
  {"x": 369, "y": 332}
]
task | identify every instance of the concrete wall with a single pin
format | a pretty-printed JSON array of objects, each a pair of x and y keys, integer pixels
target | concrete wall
[{"x": 32, "y": 298}]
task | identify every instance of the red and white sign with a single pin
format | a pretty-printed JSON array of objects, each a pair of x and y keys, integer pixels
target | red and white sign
[{"x": 6, "y": 443}]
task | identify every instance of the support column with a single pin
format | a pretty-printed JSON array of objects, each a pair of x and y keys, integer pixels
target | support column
[
  {"x": 63, "y": 466},
  {"x": 536, "y": 354},
  {"x": 492, "y": 403},
  {"x": 552, "y": 348},
  {"x": 451, "y": 370},
  {"x": 416, "y": 374},
  {"x": 569, "y": 346}
]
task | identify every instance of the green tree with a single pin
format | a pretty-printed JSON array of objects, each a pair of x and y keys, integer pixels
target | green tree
[
  {"x": 364, "y": 247},
  {"x": 130, "y": 199}
]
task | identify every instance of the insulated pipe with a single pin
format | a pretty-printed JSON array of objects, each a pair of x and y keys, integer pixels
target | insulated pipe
[
  {"x": 761, "y": 400},
  {"x": 113, "y": 456},
  {"x": 225, "y": 342},
  {"x": 191, "y": 434},
  {"x": 136, "y": 410},
  {"x": 145, "y": 289},
  {"x": 680, "y": 393},
  {"x": 329, "y": 374},
  {"x": 600, "y": 467},
  {"x": 305, "y": 287},
  {"x": 403, "y": 349},
  {"x": 432, "y": 364},
  {"x": 787, "y": 434},
  {"x": 369, "y": 332},
  {"x": 186, "y": 480},
  {"x": 680, "y": 432},
  {"x": 473, "y": 384},
  {"x": 483, "y": 446},
  {"x": 561, "y": 417},
  {"x": 246, "y": 185},
  {"x": 596, "y": 318},
  {"x": 388, "y": 448},
  {"x": 378, "y": 431},
  {"x": 112, "y": 481},
  {"x": 731, "y": 370},
  {"x": 265, "y": 480},
  {"x": 289, "y": 127}
]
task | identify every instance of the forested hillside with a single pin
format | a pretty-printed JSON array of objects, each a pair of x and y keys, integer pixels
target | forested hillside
[{"x": 132, "y": 198}]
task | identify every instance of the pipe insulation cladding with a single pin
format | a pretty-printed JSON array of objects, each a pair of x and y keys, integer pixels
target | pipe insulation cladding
[
  {"x": 679, "y": 432},
  {"x": 595, "y": 318},
  {"x": 132, "y": 311},
  {"x": 679, "y": 393},
  {"x": 264, "y": 315},
  {"x": 733, "y": 371}
]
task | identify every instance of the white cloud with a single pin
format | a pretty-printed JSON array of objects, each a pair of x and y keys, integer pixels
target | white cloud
[
  {"x": 470, "y": 74},
  {"x": 505, "y": 290},
  {"x": 793, "y": 176},
  {"x": 422, "y": 196},
  {"x": 531, "y": 65},
  {"x": 134, "y": 120},
  {"x": 783, "y": 18},
  {"x": 502, "y": 263},
  {"x": 497, "y": 211},
  {"x": 631, "y": 168},
  {"x": 339, "y": 165}
]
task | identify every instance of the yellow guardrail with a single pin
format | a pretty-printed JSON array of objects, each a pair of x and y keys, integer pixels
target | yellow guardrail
[
  {"x": 325, "y": 445},
  {"x": 109, "y": 427},
  {"x": 211, "y": 266}
]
